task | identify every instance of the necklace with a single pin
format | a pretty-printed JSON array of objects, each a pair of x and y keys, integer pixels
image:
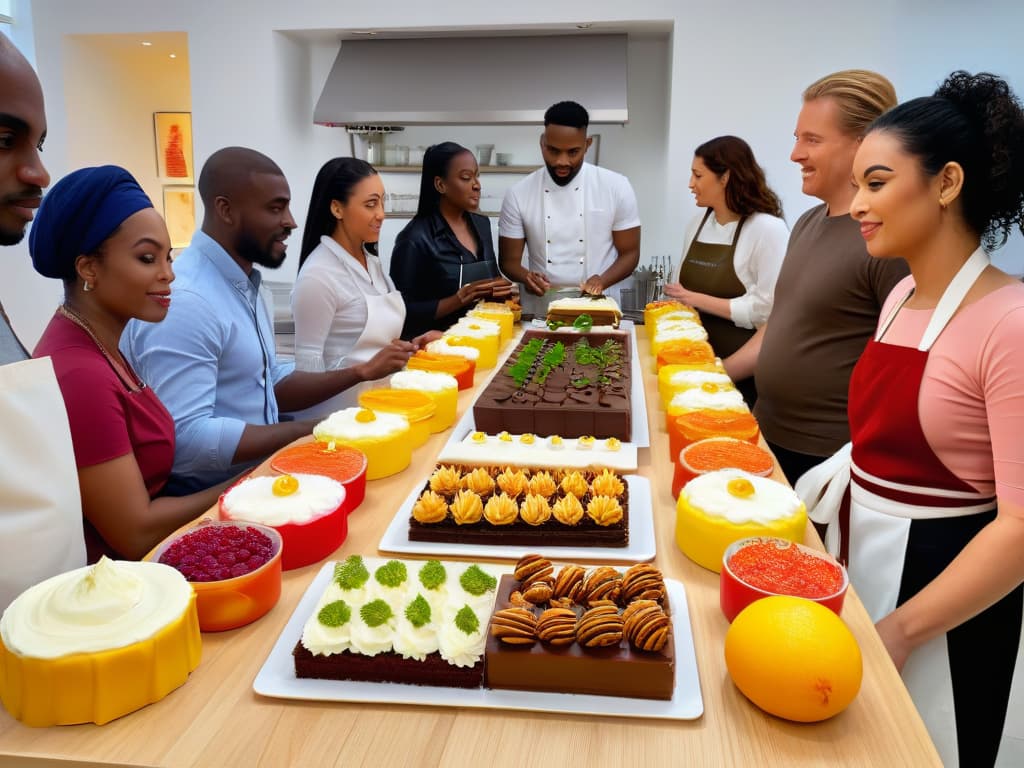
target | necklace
[{"x": 130, "y": 379}]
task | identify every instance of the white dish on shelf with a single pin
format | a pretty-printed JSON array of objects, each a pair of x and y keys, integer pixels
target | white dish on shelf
[
  {"x": 277, "y": 679},
  {"x": 640, "y": 548},
  {"x": 639, "y": 432}
]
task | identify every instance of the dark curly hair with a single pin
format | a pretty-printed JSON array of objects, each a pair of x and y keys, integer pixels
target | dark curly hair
[
  {"x": 335, "y": 181},
  {"x": 747, "y": 191},
  {"x": 978, "y": 122}
]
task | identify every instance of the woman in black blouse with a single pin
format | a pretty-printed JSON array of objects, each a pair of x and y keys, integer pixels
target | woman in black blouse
[{"x": 443, "y": 261}]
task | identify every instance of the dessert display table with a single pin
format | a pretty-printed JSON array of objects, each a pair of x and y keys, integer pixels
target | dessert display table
[{"x": 216, "y": 719}]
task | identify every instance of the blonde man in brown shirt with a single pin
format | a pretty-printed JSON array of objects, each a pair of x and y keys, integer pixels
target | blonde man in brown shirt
[{"x": 829, "y": 291}]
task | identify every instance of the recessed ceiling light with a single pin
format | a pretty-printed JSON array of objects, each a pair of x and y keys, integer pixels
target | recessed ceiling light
[
  {"x": 174, "y": 55},
  {"x": 146, "y": 43},
  {"x": 584, "y": 26}
]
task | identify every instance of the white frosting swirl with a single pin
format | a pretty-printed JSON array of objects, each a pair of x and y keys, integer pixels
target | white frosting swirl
[
  {"x": 343, "y": 425},
  {"x": 443, "y": 346},
  {"x": 320, "y": 639},
  {"x": 477, "y": 327},
  {"x": 697, "y": 398},
  {"x": 771, "y": 500},
  {"x": 425, "y": 381},
  {"x": 672, "y": 332},
  {"x": 414, "y": 642},
  {"x": 100, "y": 607},
  {"x": 694, "y": 378},
  {"x": 369, "y": 641},
  {"x": 454, "y": 645},
  {"x": 254, "y": 500}
]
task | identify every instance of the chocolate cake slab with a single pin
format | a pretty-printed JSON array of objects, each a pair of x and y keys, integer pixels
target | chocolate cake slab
[
  {"x": 387, "y": 667},
  {"x": 611, "y": 671}
]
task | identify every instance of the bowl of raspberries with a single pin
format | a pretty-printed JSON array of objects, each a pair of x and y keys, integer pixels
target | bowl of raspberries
[{"x": 234, "y": 569}]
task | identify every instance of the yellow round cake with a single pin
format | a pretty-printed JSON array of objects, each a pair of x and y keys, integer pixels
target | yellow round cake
[
  {"x": 98, "y": 642},
  {"x": 706, "y": 396},
  {"x": 673, "y": 379},
  {"x": 417, "y": 407},
  {"x": 499, "y": 314},
  {"x": 442, "y": 387},
  {"x": 383, "y": 437},
  {"x": 718, "y": 508},
  {"x": 480, "y": 334}
]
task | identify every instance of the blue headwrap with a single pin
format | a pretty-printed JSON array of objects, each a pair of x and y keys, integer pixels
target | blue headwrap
[{"x": 78, "y": 213}]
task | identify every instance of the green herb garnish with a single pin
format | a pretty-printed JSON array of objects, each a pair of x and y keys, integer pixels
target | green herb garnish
[
  {"x": 375, "y": 613},
  {"x": 418, "y": 611},
  {"x": 583, "y": 322},
  {"x": 554, "y": 325},
  {"x": 352, "y": 573},
  {"x": 334, "y": 614},
  {"x": 433, "y": 574},
  {"x": 467, "y": 621},
  {"x": 391, "y": 574},
  {"x": 581, "y": 382},
  {"x": 476, "y": 581}
]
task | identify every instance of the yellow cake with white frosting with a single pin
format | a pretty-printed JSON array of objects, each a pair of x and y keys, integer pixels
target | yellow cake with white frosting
[
  {"x": 499, "y": 314},
  {"x": 706, "y": 397},
  {"x": 483, "y": 335},
  {"x": 718, "y": 508},
  {"x": 680, "y": 378},
  {"x": 98, "y": 642},
  {"x": 442, "y": 387},
  {"x": 383, "y": 437},
  {"x": 445, "y": 346},
  {"x": 258, "y": 500}
]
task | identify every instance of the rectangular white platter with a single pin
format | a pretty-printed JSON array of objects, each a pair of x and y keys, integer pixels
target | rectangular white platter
[
  {"x": 641, "y": 546},
  {"x": 277, "y": 677},
  {"x": 639, "y": 433}
]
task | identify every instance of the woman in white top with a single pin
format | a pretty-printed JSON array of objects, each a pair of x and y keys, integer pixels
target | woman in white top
[
  {"x": 733, "y": 254},
  {"x": 346, "y": 309}
]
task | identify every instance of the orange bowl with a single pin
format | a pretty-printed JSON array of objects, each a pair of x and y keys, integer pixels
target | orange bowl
[
  {"x": 232, "y": 602},
  {"x": 763, "y": 566},
  {"x": 714, "y": 453},
  {"x": 343, "y": 463}
]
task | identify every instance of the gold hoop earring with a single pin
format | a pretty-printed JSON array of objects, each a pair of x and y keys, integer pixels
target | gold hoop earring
[{"x": 87, "y": 286}]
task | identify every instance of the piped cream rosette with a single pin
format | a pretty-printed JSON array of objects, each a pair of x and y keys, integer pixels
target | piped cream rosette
[{"x": 98, "y": 642}]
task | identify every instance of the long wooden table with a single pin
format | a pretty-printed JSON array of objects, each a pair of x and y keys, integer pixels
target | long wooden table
[{"x": 215, "y": 719}]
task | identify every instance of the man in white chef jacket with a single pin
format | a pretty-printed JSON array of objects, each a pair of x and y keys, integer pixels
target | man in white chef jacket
[{"x": 579, "y": 223}]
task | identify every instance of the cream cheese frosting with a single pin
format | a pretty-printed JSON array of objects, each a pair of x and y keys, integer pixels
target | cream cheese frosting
[
  {"x": 686, "y": 332},
  {"x": 694, "y": 378},
  {"x": 530, "y": 451},
  {"x": 584, "y": 303},
  {"x": 770, "y": 501},
  {"x": 425, "y": 381},
  {"x": 255, "y": 501},
  {"x": 111, "y": 604},
  {"x": 444, "y": 346},
  {"x": 697, "y": 398},
  {"x": 344, "y": 425}
]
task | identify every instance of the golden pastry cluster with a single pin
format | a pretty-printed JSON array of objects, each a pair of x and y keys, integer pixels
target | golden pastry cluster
[
  {"x": 596, "y": 608},
  {"x": 503, "y": 495}
]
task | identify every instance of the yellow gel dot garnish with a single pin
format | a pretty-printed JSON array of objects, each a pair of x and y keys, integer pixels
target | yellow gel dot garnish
[
  {"x": 528, "y": 438},
  {"x": 708, "y": 386},
  {"x": 505, "y": 437},
  {"x": 285, "y": 485},
  {"x": 740, "y": 487},
  {"x": 612, "y": 444},
  {"x": 479, "y": 437},
  {"x": 556, "y": 440},
  {"x": 587, "y": 440},
  {"x": 365, "y": 416}
]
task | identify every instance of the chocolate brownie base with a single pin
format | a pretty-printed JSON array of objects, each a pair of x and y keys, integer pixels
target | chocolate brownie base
[
  {"x": 388, "y": 667},
  {"x": 614, "y": 671},
  {"x": 551, "y": 534}
]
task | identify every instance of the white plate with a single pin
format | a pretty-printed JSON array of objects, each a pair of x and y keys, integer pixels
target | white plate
[
  {"x": 641, "y": 545},
  {"x": 277, "y": 677},
  {"x": 639, "y": 432}
]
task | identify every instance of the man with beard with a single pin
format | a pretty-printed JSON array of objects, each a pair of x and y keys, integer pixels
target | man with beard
[
  {"x": 40, "y": 509},
  {"x": 579, "y": 223},
  {"x": 212, "y": 360}
]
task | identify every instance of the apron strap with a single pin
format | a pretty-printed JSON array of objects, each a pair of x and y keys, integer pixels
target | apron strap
[{"x": 954, "y": 296}]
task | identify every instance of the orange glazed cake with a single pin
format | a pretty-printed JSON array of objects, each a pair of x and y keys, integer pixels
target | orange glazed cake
[{"x": 579, "y": 630}]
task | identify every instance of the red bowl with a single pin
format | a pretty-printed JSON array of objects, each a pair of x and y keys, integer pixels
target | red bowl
[
  {"x": 750, "y": 458},
  {"x": 235, "y": 602},
  {"x": 736, "y": 593},
  {"x": 309, "y": 542},
  {"x": 343, "y": 463}
]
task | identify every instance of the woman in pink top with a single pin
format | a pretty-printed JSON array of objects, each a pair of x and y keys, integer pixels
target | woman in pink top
[{"x": 935, "y": 535}]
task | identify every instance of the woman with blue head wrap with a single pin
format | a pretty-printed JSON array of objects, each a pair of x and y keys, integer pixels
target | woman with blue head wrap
[{"x": 98, "y": 232}]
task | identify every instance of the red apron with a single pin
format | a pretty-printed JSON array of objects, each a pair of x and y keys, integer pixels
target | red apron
[{"x": 909, "y": 516}]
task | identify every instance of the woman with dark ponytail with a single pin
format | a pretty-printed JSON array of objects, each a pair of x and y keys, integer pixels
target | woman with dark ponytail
[
  {"x": 347, "y": 311},
  {"x": 936, "y": 527}
]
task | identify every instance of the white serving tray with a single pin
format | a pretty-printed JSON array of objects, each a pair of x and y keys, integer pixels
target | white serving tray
[
  {"x": 641, "y": 545},
  {"x": 639, "y": 432},
  {"x": 277, "y": 679}
]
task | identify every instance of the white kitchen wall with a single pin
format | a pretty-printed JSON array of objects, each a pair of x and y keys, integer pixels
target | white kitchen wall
[{"x": 728, "y": 67}]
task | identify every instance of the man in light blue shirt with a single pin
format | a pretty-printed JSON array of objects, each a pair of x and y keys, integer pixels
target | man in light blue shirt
[{"x": 212, "y": 360}]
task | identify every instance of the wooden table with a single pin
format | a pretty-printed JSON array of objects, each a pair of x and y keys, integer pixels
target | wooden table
[{"x": 215, "y": 719}]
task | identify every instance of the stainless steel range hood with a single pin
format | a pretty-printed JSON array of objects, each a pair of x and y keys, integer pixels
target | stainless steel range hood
[{"x": 474, "y": 80}]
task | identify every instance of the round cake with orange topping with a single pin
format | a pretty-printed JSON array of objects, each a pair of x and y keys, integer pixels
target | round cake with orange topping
[
  {"x": 95, "y": 643},
  {"x": 718, "y": 508},
  {"x": 383, "y": 437}
]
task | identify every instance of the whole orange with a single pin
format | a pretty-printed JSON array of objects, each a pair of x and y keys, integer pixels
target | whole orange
[{"x": 793, "y": 658}]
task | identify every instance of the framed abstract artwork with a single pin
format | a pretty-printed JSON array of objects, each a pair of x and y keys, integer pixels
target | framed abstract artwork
[
  {"x": 180, "y": 214},
  {"x": 173, "y": 132}
]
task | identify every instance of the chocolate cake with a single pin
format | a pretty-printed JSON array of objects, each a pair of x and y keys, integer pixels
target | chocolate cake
[
  {"x": 388, "y": 667},
  {"x": 537, "y": 519},
  {"x": 518, "y": 658},
  {"x": 561, "y": 384}
]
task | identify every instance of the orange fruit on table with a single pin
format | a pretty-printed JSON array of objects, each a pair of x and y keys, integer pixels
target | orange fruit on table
[{"x": 793, "y": 658}]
